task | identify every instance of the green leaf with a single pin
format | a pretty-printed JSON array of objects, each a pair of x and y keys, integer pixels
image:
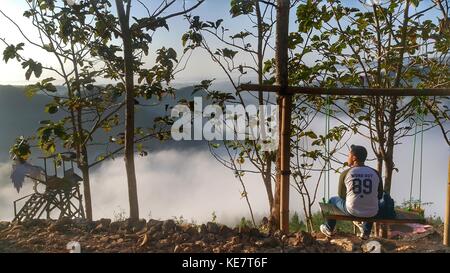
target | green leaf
[
  {"x": 50, "y": 87},
  {"x": 51, "y": 109},
  {"x": 51, "y": 148},
  {"x": 47, "y": 80},
  {"x": 228, "y": 53},
  {"x": 60, "y": 132},
  {"x": 241, "y": 35},
  {"x": 21, "y": 149},
  {"x": 310, "y": 134},
  {"x": 172, "y": 54},
  {"x": 184, "y": 39},
  {"x": 33, "y": 67},
  {"x": 241, "y": 7},
  {"x": 10, "y": 52},
  {"x": 140, "y": 147},
  {"x": 31, "y": 90},
  {"x": 218, "y": 23},
  {"x": 215, "y": 145},
  {"x": 100, "y": 158}
]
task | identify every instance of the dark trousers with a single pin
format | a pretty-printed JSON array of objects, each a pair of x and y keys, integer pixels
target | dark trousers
[{"x": 340, "y": 204}]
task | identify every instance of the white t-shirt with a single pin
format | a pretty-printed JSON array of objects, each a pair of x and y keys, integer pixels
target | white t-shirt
[{"x": 362, "y": 191}]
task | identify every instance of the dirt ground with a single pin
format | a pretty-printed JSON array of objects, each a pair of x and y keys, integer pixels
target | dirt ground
[
  {"x": 427, "y": 242},
  {"x": 155, "y": 236}
]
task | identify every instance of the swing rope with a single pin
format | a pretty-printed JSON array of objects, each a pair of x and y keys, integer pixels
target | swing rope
[
  {"x": 421, "y": 124},
  {"x": 421, "y": 158},
  {"x": 326, "y": 183},
  {"x": 413, "y": 167}
]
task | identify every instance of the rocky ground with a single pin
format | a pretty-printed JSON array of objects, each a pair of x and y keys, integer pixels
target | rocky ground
[{"x": 167, "y": 237}]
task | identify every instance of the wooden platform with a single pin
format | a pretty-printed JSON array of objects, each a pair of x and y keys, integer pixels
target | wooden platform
[{"x": 402, "y": 217}]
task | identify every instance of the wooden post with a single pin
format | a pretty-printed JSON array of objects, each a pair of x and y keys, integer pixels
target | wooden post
[
  {"x": 447, "y": 209},
  {"x": 285, "y": 161},
  {"x": 282, "y": 58}
]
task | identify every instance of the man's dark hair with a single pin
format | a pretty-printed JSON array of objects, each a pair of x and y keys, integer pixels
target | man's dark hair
[{"x": 359, "y": 152}]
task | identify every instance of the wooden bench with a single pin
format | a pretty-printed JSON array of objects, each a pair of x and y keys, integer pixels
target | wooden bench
[{"x": 330, "y": 211}]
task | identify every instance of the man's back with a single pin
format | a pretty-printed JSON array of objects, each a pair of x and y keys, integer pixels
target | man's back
[
  {"x": 363, "y": 185},
  {"x": 360, "y": 188}
]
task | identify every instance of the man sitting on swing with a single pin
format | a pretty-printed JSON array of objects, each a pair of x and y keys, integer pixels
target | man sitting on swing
[{"x": 360, "y": 189}]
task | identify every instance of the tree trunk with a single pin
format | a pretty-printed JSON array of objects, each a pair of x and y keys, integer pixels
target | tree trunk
[
  {"x": 129, "y": 114},
  {"x": 275, "y": 215},
  {"x": 306, "y": 205},
  {"x": 267, "y": 178},
  {"x": 389, "y": 158},
  {"x": 268, "y": 185},
  {"x": 309, "y": 220},
  {"x": 389, "y": 170},
  {"x": 83, "y": 164},
  {"x": 393, "y": 108},
  {"x": 79, "y": 139},
  {"x": 380, "y": 164},
  {"x": 87, "y": 192}
]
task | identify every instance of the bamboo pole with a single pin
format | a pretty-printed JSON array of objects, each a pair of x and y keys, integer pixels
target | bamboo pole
[
  {"x": 285, "y": 161},
  {"x": 282, "y": 57},
  {"x": 346, "y": 91},
  {"x": 447, "y": 209}
]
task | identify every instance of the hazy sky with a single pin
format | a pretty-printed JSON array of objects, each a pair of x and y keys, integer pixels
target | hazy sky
[{"x": 200, "y": 67}]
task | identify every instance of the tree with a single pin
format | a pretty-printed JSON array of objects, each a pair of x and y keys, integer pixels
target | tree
[
  {"x": 83, "y": 33},
  {"x": 233, "y": 47},
  {"x": 386, "y": 46},
  {"x": 135, "y": 38},
  {"x": 245, "y": 157},
  {"x": 124, "y": 19},
  {"x": 311, "y": 152},
  {"x": 84, "y": 107}
]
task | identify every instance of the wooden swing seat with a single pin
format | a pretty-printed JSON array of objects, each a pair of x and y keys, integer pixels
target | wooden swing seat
[{"x": 330, "y": 211}]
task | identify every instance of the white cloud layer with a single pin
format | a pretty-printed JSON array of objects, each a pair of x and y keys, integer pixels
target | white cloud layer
[
  {"x": 170, "y": 184},
  {"x": 192, "y": 184}
]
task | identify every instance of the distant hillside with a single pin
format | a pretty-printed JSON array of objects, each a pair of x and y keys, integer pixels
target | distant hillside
[{"x": 20, "y": 115}]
